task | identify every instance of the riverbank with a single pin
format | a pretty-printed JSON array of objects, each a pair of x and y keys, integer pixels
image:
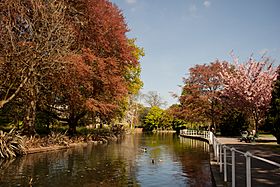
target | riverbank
[
  {"x": 58, "y": 141},
  {"x": 58, "y": 147}
]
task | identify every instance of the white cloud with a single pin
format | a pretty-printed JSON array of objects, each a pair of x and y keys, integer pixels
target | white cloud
[
  {"x": 207, "y": 4},
  {"x": 131, "y": 1},
  {"x": 190, "y": 13},
  {"x": 192, "y": 9}
]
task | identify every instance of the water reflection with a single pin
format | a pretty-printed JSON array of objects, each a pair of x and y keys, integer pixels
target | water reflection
[{"x": 139, "y": 160}]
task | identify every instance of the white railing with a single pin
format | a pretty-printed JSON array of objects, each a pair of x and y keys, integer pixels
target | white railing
[
  {"x": 202, "y": 134},
  {"x": 220, "y": 155}
]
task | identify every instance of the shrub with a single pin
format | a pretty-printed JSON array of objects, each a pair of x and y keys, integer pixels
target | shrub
[
  {"x": 232, "y": 123},
  {"x": 11, "y": 144},
  {"x": 53, "y": 139}
]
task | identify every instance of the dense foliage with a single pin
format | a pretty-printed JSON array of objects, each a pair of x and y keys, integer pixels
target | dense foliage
[
  {"x": 248, "y": 87},
  {"x": 67, "y": 61},
  {"x": 232, "y": 123},
  {"x": 228, "y": 97},
  {"x": 157, "y": 119},
  {"x": 273, "y": 117},
  {"x": 199, "y": 97}
]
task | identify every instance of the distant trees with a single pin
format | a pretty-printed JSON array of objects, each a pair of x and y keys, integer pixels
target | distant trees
[
  {"x": 152, "y": 98},
  {"x": 156, "y": 119},
  {"x": 66, "y": 59}
]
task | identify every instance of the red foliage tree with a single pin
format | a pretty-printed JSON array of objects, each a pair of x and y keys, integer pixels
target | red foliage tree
[
  {"x": 95, "y": 78},
  {"x": 199, "y": 96}
]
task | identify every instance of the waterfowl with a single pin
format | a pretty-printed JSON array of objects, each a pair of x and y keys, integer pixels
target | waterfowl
[{"x": 144, "y": 149}]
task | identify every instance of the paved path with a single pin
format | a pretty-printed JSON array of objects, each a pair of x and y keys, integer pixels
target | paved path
[{"x": 263, "y": 174}]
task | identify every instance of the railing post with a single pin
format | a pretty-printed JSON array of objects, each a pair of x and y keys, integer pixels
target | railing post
[
  {"x": 216, "y": 149},
  {"x": 225, "y": 164},
  {"x": 212, "y": 137},
  {"x": 232, "y": 167},
  {"x": 220, "y": 158},
  {"x": 248, "y": 168}
]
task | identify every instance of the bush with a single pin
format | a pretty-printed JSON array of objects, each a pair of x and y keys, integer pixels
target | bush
[
  {"x": 11, "y": 144},
  {"x": 233, "y": 123},
  {"x": 53, "y": 139}
]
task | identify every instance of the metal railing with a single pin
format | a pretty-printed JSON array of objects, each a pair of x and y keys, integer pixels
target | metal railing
[
  {"x": 196, "y": 133},
  {"x": 220, "y": 155}
]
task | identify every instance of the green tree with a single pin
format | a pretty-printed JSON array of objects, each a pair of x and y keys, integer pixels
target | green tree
[
  {"x": 128, "y": 110},
  {"x": 273, "y": 117},
  {"x": 157, "y": 118},
  {"x": 177, "y": 122}
]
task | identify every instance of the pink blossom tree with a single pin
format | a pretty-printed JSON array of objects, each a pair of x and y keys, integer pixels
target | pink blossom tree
[{"x": 248, "y": 87}]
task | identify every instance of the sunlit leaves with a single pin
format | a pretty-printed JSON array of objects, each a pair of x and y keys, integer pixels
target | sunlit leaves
[{"x": 200, "y": 93}]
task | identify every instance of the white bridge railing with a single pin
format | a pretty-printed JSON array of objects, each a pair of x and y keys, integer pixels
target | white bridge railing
[{"x": 220, "y": 155}]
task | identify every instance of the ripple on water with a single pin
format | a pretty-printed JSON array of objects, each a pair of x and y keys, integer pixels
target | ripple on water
[{"x": 166, "y": 161}]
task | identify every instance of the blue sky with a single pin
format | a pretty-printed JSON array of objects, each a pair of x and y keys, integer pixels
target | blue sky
[{"x": 177, "y": 34}]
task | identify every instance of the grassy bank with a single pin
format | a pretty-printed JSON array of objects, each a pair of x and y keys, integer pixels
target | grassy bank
[{"x": 12, "y": 144}]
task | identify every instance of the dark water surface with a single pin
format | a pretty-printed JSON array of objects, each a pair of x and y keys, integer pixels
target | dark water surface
[{"x": 136, "y": 160}]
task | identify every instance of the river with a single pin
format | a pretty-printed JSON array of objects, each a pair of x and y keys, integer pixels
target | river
[{"x": 161, "y": 159}]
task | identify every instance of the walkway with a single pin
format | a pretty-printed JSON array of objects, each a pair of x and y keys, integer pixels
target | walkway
[{"x": 263, "y": 174}]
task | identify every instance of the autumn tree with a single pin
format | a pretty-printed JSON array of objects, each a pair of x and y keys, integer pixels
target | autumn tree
[
  {"x": 128, "y": 110},
  {"x": 192, "y": 104},
  {"x": 178, "y": 122},
  {"x": 103, "y": 68},
  {"x": 273, "y": 116},
  {"x": 199, "y": 97},
  {"x": 248, "y": 86},
  {"x": 34, "y": 38}
]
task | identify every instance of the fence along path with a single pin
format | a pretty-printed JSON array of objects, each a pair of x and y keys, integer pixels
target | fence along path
[{"x": 238, "y": 163}]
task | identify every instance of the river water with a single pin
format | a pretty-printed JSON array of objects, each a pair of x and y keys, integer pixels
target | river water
[{"x": 162, "y": 159}]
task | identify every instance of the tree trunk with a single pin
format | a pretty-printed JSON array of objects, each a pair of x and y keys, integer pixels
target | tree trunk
[
  {"x": 72, "y": 122},
  {"x": 256, "y": 118},
  {"x": 30, "y": 116},
  {"x": 277, "y": 136}
]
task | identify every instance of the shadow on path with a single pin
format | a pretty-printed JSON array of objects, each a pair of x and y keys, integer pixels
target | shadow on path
[{"x": 263, "y": 174}]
